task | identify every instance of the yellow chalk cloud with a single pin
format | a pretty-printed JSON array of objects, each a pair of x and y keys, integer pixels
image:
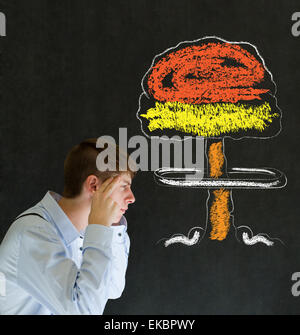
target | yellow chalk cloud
[{"x": 209, "y": 119}]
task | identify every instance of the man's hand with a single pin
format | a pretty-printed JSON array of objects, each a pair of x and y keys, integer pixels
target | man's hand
[{"x": 103, "y": 208}]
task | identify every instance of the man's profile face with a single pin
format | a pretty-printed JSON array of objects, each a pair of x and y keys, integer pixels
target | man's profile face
[{"x": 123, "y": 195}]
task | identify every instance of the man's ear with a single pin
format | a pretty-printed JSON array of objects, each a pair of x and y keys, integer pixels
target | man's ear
[{"x": 91, "y": 183}]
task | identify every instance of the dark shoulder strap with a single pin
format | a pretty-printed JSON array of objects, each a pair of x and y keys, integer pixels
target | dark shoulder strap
[{"x": 36, "y": 214}]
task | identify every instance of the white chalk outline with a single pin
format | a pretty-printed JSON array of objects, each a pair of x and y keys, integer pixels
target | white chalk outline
[
  {"x": 256, "y": 239},
  {"x": 257, "y": 183},
  {"x": 183, "y": 237}
]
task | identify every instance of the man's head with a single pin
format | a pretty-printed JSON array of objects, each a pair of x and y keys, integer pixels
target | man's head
[{"x": 81, "y": 175}]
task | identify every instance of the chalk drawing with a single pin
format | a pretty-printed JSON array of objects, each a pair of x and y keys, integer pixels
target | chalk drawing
[{"x": 216, "y": 89}]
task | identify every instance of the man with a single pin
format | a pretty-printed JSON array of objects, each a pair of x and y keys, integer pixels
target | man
[{"x": 69, "y": 254}]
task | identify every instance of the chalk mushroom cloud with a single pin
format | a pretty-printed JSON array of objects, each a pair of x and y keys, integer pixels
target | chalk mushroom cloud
[{"x": 215, "y": 89}]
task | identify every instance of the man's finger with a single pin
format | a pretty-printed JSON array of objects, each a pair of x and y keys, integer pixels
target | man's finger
[
  {"x": 110, "y": 188},
  {"x": 104, "y": 184}
]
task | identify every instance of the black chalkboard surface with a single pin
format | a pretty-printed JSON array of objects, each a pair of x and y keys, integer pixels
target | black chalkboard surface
[{"x": 71, "y": 70}]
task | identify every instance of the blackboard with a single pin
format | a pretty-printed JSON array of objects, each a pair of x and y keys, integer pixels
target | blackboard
[{"x": 72, "y": 70}]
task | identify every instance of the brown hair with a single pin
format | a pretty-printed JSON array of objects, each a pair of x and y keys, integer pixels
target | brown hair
[{"x": 80, "y": 163}]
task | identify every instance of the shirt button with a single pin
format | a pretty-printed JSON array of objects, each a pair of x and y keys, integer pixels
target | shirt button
[
  {"x": 120, "y": 234},
  {"x": 80, "y": 248}
]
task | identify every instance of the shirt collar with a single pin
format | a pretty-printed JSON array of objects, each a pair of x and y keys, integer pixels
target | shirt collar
[
  {"x": 123, "y": 221},
  {"x": 60, "y": 219}
]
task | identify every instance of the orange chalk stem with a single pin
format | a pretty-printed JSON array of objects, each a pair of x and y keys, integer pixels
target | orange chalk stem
[{"x": 219, "y": 214}]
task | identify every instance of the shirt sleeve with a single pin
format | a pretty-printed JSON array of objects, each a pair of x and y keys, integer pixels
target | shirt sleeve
[
  {"x": 54, "y": 280},
  {"x": 120, "y": 253}
]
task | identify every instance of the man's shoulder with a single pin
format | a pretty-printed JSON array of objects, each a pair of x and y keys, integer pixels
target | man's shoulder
[{"x": 32, "y": 220}]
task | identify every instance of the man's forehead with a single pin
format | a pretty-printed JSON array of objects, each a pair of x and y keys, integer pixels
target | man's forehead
[{"x": 126, "y": 177}]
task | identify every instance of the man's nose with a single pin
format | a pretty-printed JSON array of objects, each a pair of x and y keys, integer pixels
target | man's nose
[{"x": 131, "y": 198}]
